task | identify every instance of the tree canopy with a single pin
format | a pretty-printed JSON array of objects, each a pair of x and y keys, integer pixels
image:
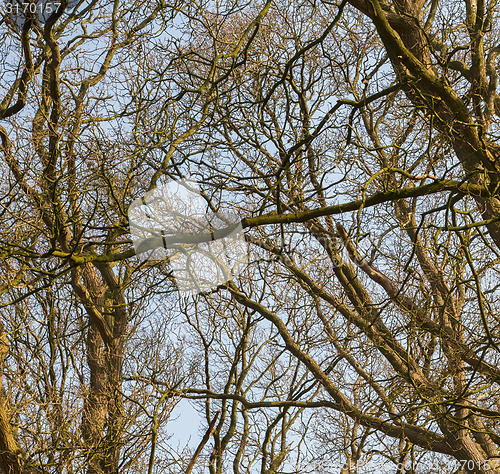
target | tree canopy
[{"x": 355, "y": 143}]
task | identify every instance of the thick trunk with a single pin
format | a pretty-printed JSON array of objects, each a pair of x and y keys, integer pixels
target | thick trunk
[
  {"x": 407, "y": 47},
  {"x": 95, "y": 409},
  {"x": 11, "y": 456},
  {"x": 102, "y": 421}
]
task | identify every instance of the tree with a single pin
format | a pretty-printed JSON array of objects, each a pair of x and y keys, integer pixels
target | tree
[{"x": 357, "y": 143}]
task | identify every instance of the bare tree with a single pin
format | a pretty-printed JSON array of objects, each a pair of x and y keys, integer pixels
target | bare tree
[{"x": 357, "y": 144}]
